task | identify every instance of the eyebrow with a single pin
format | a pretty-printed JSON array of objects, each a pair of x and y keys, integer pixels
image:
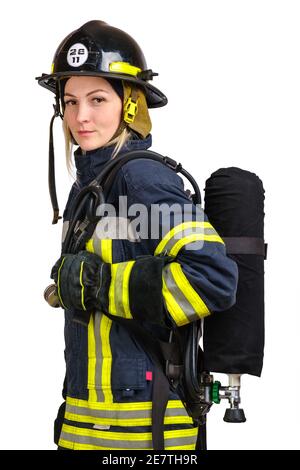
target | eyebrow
[{"x": 88, "y": 94}]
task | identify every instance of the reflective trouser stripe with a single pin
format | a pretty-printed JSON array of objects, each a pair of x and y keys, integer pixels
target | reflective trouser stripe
[
  {"x": 119, "y": 289},
  {"x": 71, "y": 436},
  {"x": 99, "y": 358},
  {"x": 92, "y": 360},
  {"x": 183, "y": 303},
  {"x": 99, "y": 351},
  {"x": 105, "y": 327},
  {"x": 186, "y": 233},
  {"x": 123, "y": 414}
]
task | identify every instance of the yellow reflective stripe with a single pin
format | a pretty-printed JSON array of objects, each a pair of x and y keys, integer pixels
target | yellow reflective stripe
[
  {"x": 93, "y": 245},
  {"x": 190, "y": 447},
  {"x": 98, "y": 357},
  {"x": 91, "y": 360},
  {"x": 125, "y": 290},
  {"x": 105, "y": 327},
  {"x": 124, "y": 67},
  {"x": 190, "y": 293},
  {"x": 111, "y": 293},
  {"x": 102, "y": 248},
  {"x": 99, "y": 360},
  {"x": 122, "y": 414},
  {"x": 191, "y": 238},
  {"x": 82, "y": 285},
  {"x": 89, "y": 246},
  {"x": 87, "y": 438},
  {"x": 131, "y": 406},
  {"x": 119, "y": 421},
  {"x": 71, "y": 445},
  {"x": 173, "y": 308},
  {"x": 183, "y": 303},
  {"x": 106, "y": 251},
  {"x": 58, "y": 283},
  {"x": 177, "y": 229},
  {"x": 132, "y": 436},
  {"x": 119, "y": 289}
]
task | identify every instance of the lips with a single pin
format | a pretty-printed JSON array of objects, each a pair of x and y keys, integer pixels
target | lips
[{"x": 85, "y": 132}]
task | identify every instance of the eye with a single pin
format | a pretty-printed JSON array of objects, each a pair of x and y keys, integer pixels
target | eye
[
  {"x": 70, "y": 103},
  {"x": 98, "y": 99}
]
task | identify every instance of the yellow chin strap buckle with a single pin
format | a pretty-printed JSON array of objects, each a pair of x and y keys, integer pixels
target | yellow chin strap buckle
[{"x": 130, "y": 110}]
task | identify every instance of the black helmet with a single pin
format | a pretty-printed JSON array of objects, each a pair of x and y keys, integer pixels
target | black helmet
[{"x": 98, "y": 49}]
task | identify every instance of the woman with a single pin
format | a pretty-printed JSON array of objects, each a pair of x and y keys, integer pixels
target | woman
[{"x": 156, "y": 281}]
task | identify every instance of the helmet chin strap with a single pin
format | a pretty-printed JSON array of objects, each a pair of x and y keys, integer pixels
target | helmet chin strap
[{"x": 51, "y": 164}]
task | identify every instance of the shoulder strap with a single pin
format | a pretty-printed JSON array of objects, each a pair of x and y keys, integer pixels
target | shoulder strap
[
  {"x": 107, "y": 176},
  {"x": 90, "y": 196}
]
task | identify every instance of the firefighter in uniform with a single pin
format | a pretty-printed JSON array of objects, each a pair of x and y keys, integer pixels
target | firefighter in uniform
[{"x": 157, "y": 281}]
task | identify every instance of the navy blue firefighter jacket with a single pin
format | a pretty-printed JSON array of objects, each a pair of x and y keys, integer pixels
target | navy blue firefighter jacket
[{"x": 109, "y": 376}]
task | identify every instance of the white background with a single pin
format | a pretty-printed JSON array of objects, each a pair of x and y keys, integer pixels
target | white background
[{"x": 231, "y": 71}]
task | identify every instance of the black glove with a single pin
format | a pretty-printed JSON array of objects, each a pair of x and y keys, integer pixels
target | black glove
[{"x": 82, "y": 281}]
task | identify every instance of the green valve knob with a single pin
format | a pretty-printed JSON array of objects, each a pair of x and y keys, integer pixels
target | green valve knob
[{"x": 215, "y": 391}]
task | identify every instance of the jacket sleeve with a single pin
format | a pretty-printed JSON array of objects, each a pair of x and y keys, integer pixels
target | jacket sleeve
[
  {"x": 199, "y": 281},
  {"x": 186, "y": 275}
]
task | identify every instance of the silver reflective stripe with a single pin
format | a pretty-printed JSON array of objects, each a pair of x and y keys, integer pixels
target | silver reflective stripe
[
  {"x": 99, "y": 357},
  {"x": 121, "y": 414},
  {"x": 122, "y": 440},
  {"x": 118, "y": 290},
  {"x": 94, "y": 246},
  {"x": 106, "y": 443},
  {"x": 64, "y": 230},
  {"x": 187, "y": 308}
]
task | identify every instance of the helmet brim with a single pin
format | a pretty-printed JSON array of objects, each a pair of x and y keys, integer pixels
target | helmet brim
[{"x": 155, "y": 98}]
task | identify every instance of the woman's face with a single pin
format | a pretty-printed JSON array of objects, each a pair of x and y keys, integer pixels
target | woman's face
[{"x": 93, "y": 111}]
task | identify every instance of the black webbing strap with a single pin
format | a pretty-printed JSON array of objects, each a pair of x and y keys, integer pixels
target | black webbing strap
[
  {"x": 245, "y": 246},
  {"x": 201, "y": 443},
  {"x": 51, "y": 164},
  {"x": 160, "y": 397},
  {"x": 51, "y": 173}
]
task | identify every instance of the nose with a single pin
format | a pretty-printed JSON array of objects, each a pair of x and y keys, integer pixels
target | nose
[{"x": 83, "y": 113}]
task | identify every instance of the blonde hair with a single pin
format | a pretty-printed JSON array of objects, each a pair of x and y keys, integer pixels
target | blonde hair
[{"x": 119, "y": 141}]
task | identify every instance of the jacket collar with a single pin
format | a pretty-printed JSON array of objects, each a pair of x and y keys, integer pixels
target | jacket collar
[{"x": 91, "y": 163}]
